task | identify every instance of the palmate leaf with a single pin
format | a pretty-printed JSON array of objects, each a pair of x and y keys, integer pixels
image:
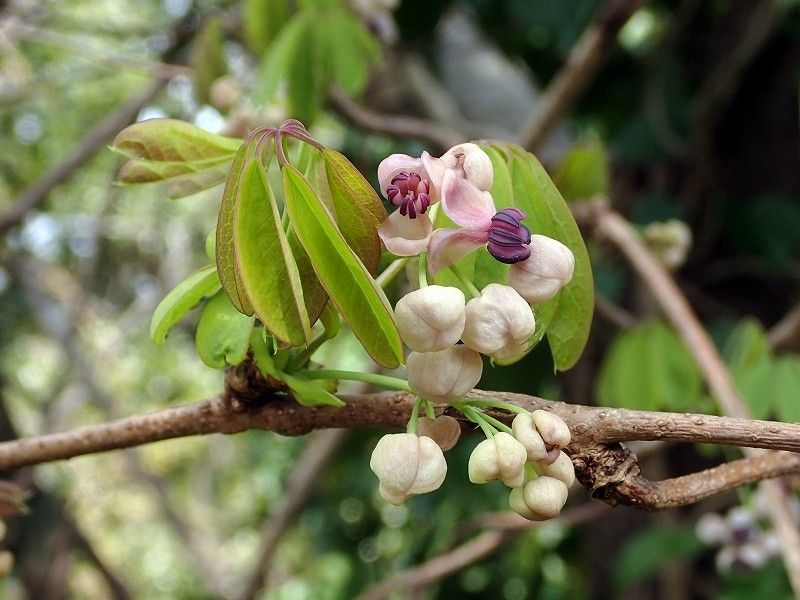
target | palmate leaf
[
  {"x": 521, "y": 181},
  {"x": 183, "y": 298},
  {"x": 265, "y": 261},
  {"x": 360, "y": 301}
]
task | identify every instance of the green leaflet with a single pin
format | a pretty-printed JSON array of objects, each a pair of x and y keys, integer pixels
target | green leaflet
[
  {"x": 276, "y": 61},
  {"x": 226, "y": 260},
  {"x": 264, "y": 259},
  {"x": 263, "y": 19},
  {"x": 583, "y": 172},
  {"x": 353, "y": 51},
  {"x": 208, "y": 59},
  {"x": 223, "y": 333},
  {"x": 358, "y": 209},
  {"x": 170, "y": 140},
  {"x": 361, "y": 302},
  {"x": 147, "y": 171},
  {"x": 521, "y": 181},
  {"x": 649, "y": 368},
  {"x": 310, "y": 393},
  {"x": 186, "y": 295}
]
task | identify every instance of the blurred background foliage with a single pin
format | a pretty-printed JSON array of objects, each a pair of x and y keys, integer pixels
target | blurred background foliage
[{"x": 692, "y": 117}]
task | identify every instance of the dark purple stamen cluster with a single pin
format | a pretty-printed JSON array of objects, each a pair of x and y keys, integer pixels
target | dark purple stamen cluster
[
  {"x": 409, "y": 191},
  {"x": 508, "y": 237}
]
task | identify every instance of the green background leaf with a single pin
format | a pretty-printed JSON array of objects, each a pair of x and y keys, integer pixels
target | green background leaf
[{"x": 183, "y": 298}]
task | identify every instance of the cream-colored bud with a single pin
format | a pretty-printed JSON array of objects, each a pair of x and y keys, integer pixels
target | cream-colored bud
[
  {"x": 561, "y": 469},
  {"x": 6, "y": 563},
  {"x": 474, "y": 164},
  {"x": 549, "y": 267},
  {"x": 670, "y": 241},
  {"x": 552, "y": 428},
  {"x": 446, "y": 375},
  {"x": 498, "y": 457},
  {"x": 525, "y": 431},
  {"x": 224, "y": 93},
  {"x": 498, "y": 321},
  {"x": 431, "y": 318},
  {"x": 540, "y": 499},
  {"x": 407, "y": 464},
  {"x": 443, "y": 430}
]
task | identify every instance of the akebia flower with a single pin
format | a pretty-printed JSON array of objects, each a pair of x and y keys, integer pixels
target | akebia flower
[
  {"x": 444, "y": 430},
  {"x": 445, "y": 375},
  {"x": 498, "y": 457},
  {"x": 497, "y": 321},
  {"x": 539, "y": 499},
  {"x": 413, "y": 184},
  {"x": 407, "y": 464},
  {"x": 431, "y": 318},
  {"x": 545, "y": 272}
]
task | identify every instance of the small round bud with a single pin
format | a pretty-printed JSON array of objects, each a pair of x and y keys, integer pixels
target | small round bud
[
  {"x": 473, "y": 163},
  {"x": 431, "y": 318},
  {"x": 224, "y": 93},
  {"x": 498, "y": 321},
  {"x": 670, "y": 241},
  {"x": 552, "y": 428},
  {"x": 755, "y": 555},
  {"x": 498, "y": 457},
  {"x": 714, "y": 529},
  {"x": 6, "y": 563},
  {"x": 443, "y": 430},
  {"x": 525, "y": 431},
  {"x": 562, "y": 469},
  {"x": 407, "y": 464},
  {"x": 540, "y": 499},
  {"x": 445, "y": 375},
  {"x": 544, "y": 272}
]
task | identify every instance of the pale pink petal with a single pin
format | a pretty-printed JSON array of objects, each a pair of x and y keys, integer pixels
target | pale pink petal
[
  {"x": 448, "y": 246},
  {"x": 403, "y": 236},
  {"x": 392, "y": 165},
  {"x": 436, "y": 168},
  {"x": 465, "y": 204}
]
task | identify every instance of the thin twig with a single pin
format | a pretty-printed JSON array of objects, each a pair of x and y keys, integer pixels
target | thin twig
[
  {"x": 610, "y": 225},
  {"x": 441, "y": 138},
  {"x": 468, "y": 553},
  {"x": 316, "y": 456},
  {"x": 613, "y": 313},
  {"x": 581, "y": 65},
  {"x": 785, "y": 332}
]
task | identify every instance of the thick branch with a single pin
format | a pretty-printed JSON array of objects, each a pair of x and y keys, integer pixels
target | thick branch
[{"x": 582, "y": 63}]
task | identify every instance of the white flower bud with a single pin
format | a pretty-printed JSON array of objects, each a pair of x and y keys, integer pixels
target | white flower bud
[
  {"x": 498, "y": 321},
  {"x": 525, "y": 431},
  {"x": 549, "y": 267},
  {"x": 540, "y": 499},
  {"x": 753, "y": 554},
  {"x": 561, "y": 469},
  {"x": 446, "y": 375},
  {"x": 552, "y": 428},
  {"x": 407, "y": 464},
  {"x": 714, "y": 529},
  {"x": 431, "y": 318},
  {"x": 443, "y": 430},
  {"x": 670, "y": 241},
  {"x": 473, "y": 163},
  {"x": 498, "y": 457}
]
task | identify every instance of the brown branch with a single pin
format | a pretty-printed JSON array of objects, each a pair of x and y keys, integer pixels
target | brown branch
[
  {"x": 582, "y": 63},
  {"x": 436, "y": 135},
  {"x": 316, "y": 456},
  {"x": 468, "y": 553},
  {"x": 786, "y": 332},
  {"x": 229, "y": 414},
  {"x": 612, "y": 226}
]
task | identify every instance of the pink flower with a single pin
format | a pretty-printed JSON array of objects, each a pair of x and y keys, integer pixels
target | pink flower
[
  {"x": 413, "y": 184},
  {"x": 501, "y": 232}
]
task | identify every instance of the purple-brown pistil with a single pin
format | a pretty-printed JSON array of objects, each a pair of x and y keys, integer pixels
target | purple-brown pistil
[
  {"x": 409, "y": 191},
  {"x": 508, "y": 237}
]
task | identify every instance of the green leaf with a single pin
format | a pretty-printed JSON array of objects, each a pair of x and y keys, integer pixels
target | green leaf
[
  {"x": 186, "y": 295},
  {"x": 747, "y": 345},
  {"x": 208, "y": 59},
  {"x": 148, "y": 171},
  {"x": 170, "y": 140},
  {"x": 360, "y": 301},
  {"x": 262, "y": 21},
  {"x": 583, "y": 172},
  {"x": 226, "y": 257},
  {"x": 358, "y": 209},
  {"x": 649, "y": 368},
  {"x": 310, "y": 393},
  {"x": 305, "y": 86},
  {"x": 648, "y": 551},
  {"x": 265, "y": 261},
  {"x": 353, "y": 50},
  {"x": 275, "y": 65},
  {"x": 189, "y": 184},
  {"x": 223, "y": 333}
]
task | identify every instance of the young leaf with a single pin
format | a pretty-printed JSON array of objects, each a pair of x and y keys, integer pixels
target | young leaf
[
  {"x": 223, "y": 333},
  {"x": 170, "y": 140},
  {"x": 352, "y": 49},
  {"x": 265, "y": 261},
  {"x": 263, "y": 19},
  {"x": 186, "y": 295},
  {"x": 277, "y": 60},
  {"x": 310, "y": 393},
  {"x": 358, "y": 209},
  {"x": 535, "y": 194},
  {"x": 361, "y": 302},
  {"x": 304, "y": 83},
  {"x": 226, "y": 259},
  {"x": 649, "y": 368}
]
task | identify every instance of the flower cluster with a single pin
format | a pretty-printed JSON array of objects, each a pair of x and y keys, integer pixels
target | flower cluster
[{"x": 447, "y": 333}]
